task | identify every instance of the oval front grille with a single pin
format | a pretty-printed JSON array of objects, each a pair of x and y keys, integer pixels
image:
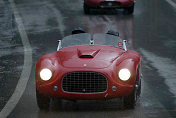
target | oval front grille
[{"x": 84, "y": 82}]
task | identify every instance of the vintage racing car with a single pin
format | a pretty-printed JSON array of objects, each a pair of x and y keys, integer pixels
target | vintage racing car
[
  {"x": 127, "y": 5},
  {"x": 89, "y": 67}
]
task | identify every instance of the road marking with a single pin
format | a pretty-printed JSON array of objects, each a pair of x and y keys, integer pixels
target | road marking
[
  {"x": 22, "y": 82},
  {"x": 165, "y": 67},
  {"x": 60, "y": 20},
  {"x": 59, "y": 17},
  {"x": 173, "y": 4}
]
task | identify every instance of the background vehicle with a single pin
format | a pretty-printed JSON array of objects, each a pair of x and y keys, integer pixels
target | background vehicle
[{"x": 127, "y": 5}]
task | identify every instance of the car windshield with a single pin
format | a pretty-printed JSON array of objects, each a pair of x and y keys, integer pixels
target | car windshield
[
  {"x": 107, "y": 39},
  {"x": 84, "y": 39},
  {"x": 76, "y": 39}
]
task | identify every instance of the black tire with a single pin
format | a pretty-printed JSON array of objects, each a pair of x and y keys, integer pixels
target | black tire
[
  {"x": 130, "y": 9},
  {"x": 43, "y": 102},
  {"x": 139, "y": 90},
  {"x": 130, "y": 101},
  {"x": 86, "y": 9}
]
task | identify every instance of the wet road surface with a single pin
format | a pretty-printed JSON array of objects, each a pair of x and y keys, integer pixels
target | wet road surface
[{"x": 150, "y": 31}]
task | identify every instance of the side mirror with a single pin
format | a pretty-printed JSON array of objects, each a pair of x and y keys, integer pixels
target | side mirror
[
  {"x": 59, "y": 45},
  {"x": 78, "y": 30},
  {"x": 124, "y": 45},
  {"x": 112, "y": 32},
  {"x": 125, "y": 41}
]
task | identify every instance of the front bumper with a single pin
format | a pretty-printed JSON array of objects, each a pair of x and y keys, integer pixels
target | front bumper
[{"x": 53, "y": 88}]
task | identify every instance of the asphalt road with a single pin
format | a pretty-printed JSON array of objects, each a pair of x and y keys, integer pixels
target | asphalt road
[{"x": 150, "y": 31}]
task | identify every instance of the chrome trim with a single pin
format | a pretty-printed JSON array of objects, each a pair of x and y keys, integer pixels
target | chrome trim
[
  {"x": 59, "y": 45},
  {"x": 91, "y": 42},
  {"x": 124, "y": 45},
  {"x": 55, "y": 88}
]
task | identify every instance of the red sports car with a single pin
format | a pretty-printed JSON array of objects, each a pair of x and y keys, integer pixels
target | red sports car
[
  {"x": 128, "y": 5},
  {"x": 89, "y": 67}
]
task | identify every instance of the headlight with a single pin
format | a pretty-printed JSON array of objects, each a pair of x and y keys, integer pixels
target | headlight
[
  {"x": 45, "y": 74},
  {"x": 124, "y": 74}
]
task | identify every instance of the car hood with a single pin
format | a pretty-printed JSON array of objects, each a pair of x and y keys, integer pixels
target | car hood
[{"x": 88, "y": 56}]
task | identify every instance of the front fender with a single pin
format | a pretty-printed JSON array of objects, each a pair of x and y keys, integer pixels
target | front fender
[
  {"x": 47, "y": 61},
  {"x": 132, "y": 66}
]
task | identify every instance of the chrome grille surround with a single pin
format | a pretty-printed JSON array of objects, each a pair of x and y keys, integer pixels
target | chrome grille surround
[{"x": 84, "y": 82}]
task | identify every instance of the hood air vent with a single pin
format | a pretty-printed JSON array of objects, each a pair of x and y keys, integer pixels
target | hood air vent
[
  {"x": 86, "y": 56},
  {"x": 87, "y": 53}
]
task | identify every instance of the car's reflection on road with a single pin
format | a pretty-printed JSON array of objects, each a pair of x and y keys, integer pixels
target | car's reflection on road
[{"x": 86, "y": 108}]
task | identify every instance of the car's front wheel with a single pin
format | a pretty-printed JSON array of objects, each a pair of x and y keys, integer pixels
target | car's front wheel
[
  {"x": 86, "y": 9},
  {"x": 130, "y": 9},
  {"x": 130, "y": 101},
  {"x": 42, "y": 101}
]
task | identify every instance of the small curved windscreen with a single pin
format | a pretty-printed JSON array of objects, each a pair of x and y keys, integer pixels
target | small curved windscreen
[
  {"x": 76, "y": 39},
  {"x": 107, "y": 39}
]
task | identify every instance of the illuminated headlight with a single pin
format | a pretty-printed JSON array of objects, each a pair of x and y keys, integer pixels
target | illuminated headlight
[
  {"x": 124, "y": 74},
  {"x": 45, "y": 74}
]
